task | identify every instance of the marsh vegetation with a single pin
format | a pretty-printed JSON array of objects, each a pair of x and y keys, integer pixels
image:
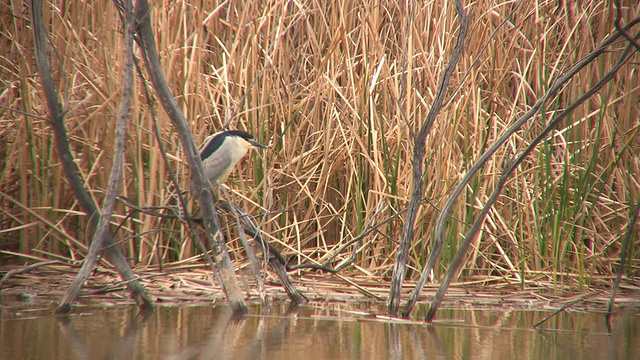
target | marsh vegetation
[{"x": 337, "y": 90}]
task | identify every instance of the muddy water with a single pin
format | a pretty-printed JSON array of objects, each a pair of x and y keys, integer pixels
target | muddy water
[{"x": 312, "y": 332}]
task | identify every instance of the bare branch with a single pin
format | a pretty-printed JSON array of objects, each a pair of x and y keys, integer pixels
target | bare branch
[
  {"x": 620, "y": 28},
  {"x": 623, "y": 259},
  {"x": 251, "y": 255},
  {"x": 439, "y": 236},
  {"x": 70, "y": 168},
  {"x": 201, "y": 186},
  {"x": 116, "y": 168},
  {"x": 25, "y": 269},
  {"x": 271, "y": 254},
  {"x": 183, "y": 204},
  {"x": 417, "y": 165}
]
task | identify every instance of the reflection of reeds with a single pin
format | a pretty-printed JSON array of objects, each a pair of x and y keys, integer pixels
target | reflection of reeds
[{"x": 325, "y": 101}]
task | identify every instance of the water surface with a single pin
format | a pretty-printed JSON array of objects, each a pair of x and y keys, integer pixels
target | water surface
[{"x": 316, "y": 331}]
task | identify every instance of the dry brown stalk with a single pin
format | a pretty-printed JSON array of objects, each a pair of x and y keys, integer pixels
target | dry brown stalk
[{"x": 319, "y": 82}]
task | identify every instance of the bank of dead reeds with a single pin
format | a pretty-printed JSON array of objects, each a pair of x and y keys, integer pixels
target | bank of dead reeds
[{"x": 322, "y": 82}]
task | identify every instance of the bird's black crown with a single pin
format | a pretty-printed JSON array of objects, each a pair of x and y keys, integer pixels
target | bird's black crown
[{"x": 216, "y": 141}]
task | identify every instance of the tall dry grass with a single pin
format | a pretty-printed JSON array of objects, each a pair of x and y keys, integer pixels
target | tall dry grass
[{"x": 327, "y": 96}]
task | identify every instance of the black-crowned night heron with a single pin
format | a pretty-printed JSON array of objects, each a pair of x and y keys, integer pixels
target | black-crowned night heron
[{"x": 223, "y": 150}]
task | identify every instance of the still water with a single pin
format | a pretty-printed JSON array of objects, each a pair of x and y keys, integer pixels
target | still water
[{"x": 316, "y": 331}]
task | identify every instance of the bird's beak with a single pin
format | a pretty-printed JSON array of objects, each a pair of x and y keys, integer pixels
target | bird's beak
[{"x": 257, "y": 144}]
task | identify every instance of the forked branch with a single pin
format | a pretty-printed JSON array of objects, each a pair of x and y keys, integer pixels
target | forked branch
[
  {"x": 419, "y": 143},
  {"x": 509, "y": 168},
  {"x": 71, "y": 171}
]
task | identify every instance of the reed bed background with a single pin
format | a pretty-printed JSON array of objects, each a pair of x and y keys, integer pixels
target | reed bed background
[{"x": 326, "y": 84}]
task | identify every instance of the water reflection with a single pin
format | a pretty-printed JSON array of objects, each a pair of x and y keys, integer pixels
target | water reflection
[{"x": 321, "y": 331}]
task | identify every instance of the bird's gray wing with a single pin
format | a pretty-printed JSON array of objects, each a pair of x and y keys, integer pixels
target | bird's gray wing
[{"x": 216, "y": 166}]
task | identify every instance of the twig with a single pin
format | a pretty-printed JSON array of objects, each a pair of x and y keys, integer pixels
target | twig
[
  {"x": 623, "y": 258},
  {"x": 565, "y": 307},
  {"x": 326, "y": 265},
  {"x": 26, "y": 269},
  {"x": 621, "y": 29}
]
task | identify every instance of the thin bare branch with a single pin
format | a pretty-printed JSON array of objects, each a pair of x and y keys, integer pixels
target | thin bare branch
[
  {"x": 458, "y": 258},
  {"x": 417, "y": 184},
  {"x": 446, "y": 209},
  {"x": 70, "y": 167},
  {"x": 626, "y": 241},
  {"x": 621, "y": 29}
]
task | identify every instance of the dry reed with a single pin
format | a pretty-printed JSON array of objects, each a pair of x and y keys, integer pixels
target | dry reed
[{"x": 325, "y": 83}]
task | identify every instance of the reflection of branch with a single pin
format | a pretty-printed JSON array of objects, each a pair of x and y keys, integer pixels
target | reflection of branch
[
  {"x": 565, "y": 307},
  {"x": 119, "y": 347}
]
